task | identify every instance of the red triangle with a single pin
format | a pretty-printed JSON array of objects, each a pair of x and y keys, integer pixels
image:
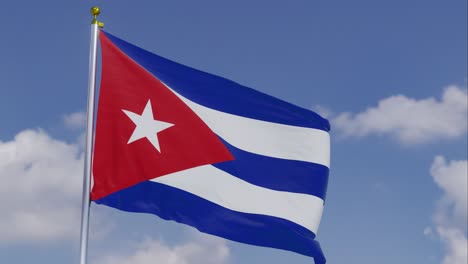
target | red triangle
[{"x": 118, "y": 165}]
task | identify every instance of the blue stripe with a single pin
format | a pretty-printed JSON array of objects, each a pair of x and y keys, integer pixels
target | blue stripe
[
  {"x": 277, "y": 174},
  {"x": 173, "y": 204},
  {"x": 221, "y": 94}
]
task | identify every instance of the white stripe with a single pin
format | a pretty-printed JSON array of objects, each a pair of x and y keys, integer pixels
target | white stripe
[
  {"x": 233, "y": 193},
  {"x": 266, "y": 138}
]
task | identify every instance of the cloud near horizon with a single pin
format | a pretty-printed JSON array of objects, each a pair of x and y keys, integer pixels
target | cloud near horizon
[
  {"x": 41, "y": 188},
  {"x": 201, "y": 249},
  {"x": 410, "y": 120},
  {"x": 450, "y": 216}
]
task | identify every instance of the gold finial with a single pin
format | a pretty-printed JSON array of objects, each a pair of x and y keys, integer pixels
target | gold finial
[{"x": 95, "y": 11}]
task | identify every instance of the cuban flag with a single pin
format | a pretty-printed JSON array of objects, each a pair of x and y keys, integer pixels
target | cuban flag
[{"x": 207, "y": 152}]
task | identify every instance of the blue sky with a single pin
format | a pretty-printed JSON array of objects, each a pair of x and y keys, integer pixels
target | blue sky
[{"x": 390, "y": 75}]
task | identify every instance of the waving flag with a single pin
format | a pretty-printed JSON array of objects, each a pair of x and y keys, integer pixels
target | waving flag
[{"x": 201, "y": 150}]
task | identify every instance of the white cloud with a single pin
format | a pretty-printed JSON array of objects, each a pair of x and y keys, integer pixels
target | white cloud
[
  {"x": 410, "y": 120},
  {"x": 75, "y": 120},
  {"x": 456, "y": 245},
  {"x": 450, "y": 216},
  {"x": 452, "y": 178},
  {"x": 202, "y": 250},
  {"x": 323, "y": 111},
  {"x": 41, "y": 187}
]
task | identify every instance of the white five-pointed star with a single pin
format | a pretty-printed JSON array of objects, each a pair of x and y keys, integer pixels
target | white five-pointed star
[{"x": 146, "y": 126}]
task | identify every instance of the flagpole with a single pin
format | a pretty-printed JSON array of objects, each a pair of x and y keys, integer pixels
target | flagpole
[{"x": 86, "y": 202}]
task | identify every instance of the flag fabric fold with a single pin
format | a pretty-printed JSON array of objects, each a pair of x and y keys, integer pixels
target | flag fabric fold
[{"x": 204, "y": 151}]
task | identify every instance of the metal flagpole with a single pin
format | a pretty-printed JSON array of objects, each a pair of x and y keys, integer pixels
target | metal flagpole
[{"x": 95, "y": 24}]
